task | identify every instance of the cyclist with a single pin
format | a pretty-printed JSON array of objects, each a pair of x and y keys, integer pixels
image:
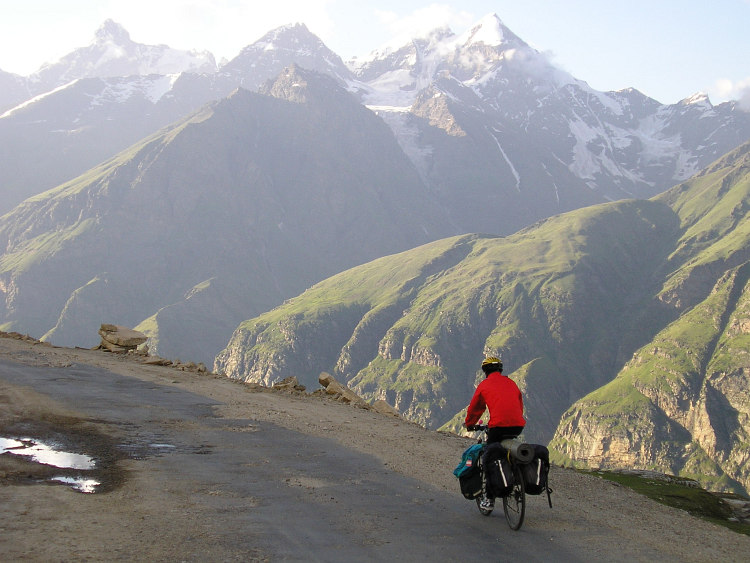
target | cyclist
[{"x": 502, "y": 397}]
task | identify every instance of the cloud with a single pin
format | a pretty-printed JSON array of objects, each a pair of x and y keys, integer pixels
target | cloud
[
  {"x": 223, "y": 27},
  {"x": 422, "y": 21},
  {"x": 725, "y": 89}
]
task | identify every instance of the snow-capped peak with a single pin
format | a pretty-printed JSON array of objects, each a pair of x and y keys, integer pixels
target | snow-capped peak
[
  {"x": 697, "y": 99},
  {"x": 296, "y": 29},
  {"x": 112, "y": 53},
  {"x": 394, "y": 77},
  {"x": 489, "y": 30},
  {"x": 111, "y": 31},
  {"x": 291, "y": 37},
  {"x": 268, "y": 56}
]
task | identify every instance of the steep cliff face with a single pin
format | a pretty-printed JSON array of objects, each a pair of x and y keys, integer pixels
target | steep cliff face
[
  {"x": 682, "y": 404},
  {"x": 336, "y": 325}
]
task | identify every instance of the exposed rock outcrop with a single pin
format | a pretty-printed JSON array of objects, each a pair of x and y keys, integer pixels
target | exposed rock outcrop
[
  {"x": 341, "y": 392},
  {"x": 290, "y": 384},
  {"x": 345, "y": 395},
  {"x": 120, "y": 339}
]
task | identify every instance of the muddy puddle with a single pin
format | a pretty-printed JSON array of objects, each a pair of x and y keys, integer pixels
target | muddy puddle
[
  {"x": 76, "y": 468},
  {"x": 45, "y": 453},
  {"x": 62, "y": 451},
  {"x": 74, "y": 455}
]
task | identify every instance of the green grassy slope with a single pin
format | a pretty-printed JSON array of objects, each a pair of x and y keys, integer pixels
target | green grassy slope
[
  {"x": 681, "y": 404},
  {"x": 411, "y": 328}
]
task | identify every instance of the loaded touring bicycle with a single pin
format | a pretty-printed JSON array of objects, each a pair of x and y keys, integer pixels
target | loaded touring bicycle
[{"x": 509, "y": 470}]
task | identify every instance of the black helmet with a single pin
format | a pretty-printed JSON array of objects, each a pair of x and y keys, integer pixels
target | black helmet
[{"x": 492, "y": 364}]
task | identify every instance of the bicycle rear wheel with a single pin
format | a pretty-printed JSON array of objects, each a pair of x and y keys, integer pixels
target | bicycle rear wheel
[{"x": 514, "y": 505}]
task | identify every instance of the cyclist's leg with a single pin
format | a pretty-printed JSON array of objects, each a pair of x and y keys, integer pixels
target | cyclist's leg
[{"x": 487, "y": 502}]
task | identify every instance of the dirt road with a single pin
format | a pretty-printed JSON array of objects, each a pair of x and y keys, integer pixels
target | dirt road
[{"x": 195, "y": 467}]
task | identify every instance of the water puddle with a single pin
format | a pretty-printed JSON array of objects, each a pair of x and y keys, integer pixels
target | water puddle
[
  {"x": 46, "y": 454},
  {"x": 162, "y": 446},
  {"x": 54, "y": 457},
  {"x": 80, "y": 484}
]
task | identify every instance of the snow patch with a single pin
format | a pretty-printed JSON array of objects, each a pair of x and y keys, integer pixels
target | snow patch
[
  {"x": 152, "y": 88},
  {"x": 513, "y": 170},
  {"x": 698, "y": 99},
  {"x": 37, "y": 98},
  {"x": 392, "y": 88},
  {"x": 407, "y": 136}
]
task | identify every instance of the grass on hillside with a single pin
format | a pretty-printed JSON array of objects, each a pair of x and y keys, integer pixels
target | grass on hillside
[{"x": 694, "y": 500}]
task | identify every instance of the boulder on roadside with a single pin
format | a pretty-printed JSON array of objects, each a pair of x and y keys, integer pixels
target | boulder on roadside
[
  {"x": 157, "y": 361},
  {"x": 289, "y": 384},
  {"x": 384, "y": 408},
  {"x": 345, "y": 395},
  {"x": 340, "y": 392},
  {"x": 120, "y": 339}
]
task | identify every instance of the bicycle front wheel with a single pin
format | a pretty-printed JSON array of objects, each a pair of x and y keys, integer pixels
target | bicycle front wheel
[{"x": 514, "y": 505}]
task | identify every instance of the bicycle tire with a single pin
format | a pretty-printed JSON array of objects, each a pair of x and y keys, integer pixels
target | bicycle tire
[{"x": 514, "y": 504}]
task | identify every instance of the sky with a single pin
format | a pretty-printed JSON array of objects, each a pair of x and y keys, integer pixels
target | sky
[{"x": 667, "y": 49}]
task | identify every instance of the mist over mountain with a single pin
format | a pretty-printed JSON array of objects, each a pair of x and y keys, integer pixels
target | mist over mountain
[
  {"x": 13, "y": 89},
  {"x": 112, "y": 53},
  {"x": 532, "y": 140},
  {"x": 75, "y": 125}
]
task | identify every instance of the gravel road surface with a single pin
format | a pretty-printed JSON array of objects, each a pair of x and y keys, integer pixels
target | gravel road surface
[{"x": 195, "y": 467}]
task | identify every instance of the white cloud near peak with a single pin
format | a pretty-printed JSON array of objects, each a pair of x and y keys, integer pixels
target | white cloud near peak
[
  {"x": 422, "y": 21},
  {"x": 222, "y": 26},
  {"x": 725, "y": 89}
]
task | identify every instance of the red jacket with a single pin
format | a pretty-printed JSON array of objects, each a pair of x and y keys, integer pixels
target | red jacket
[{"x": 502, "y": 396}]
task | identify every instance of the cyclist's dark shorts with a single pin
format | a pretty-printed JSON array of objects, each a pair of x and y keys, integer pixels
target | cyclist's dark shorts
[{"x": 500, "y": 433}]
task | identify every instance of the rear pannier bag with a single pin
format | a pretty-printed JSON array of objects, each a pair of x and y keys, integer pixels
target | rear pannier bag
[
  {"x": 536, "y": 473},
  {"x": 467, "y": 471},
  {"x": 498, "y": 471}
]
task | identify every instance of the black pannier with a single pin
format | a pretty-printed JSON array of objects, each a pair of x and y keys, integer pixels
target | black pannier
[
  {"x": 498, "y": 470},
  {"x": 471, "y": 484},
  {"x": 468, "y": 473},
  {"x": 536, "y": 473}
]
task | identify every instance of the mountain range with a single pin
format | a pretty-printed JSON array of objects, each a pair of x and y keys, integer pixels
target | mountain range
[
  {"x": 457, "y": 196},
  {"x": 491, "y": 126}
]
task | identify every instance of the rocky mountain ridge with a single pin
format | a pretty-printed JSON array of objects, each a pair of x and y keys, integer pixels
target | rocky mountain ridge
[{"x": 530, "y": 131}]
